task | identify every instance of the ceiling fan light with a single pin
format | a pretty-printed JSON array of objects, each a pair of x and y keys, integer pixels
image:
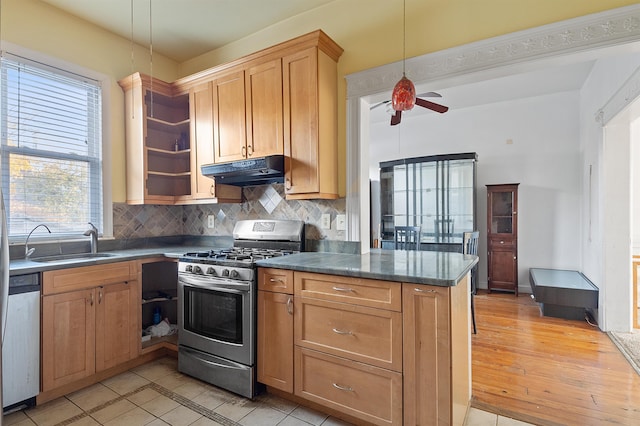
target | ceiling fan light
[{"x": 403, "y": 97}]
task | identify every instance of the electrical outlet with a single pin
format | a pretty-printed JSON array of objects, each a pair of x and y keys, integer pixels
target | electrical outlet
[
  {"x": 325, "y": 222},
  {"x": 211, "y": 221},
  {"x": 341, "y": 222}
]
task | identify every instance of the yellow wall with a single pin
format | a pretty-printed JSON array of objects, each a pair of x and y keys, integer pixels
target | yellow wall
[{"x": 370, "y": 31}]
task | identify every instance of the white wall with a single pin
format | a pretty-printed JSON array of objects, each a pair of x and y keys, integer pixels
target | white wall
[
  {"x": 603, "y": 200},
  {"x": 544, "y": 158}
]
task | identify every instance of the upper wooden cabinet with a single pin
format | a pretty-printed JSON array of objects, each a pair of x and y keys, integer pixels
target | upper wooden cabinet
[
  {"x": 310, "y": 122},
  {"x": 161, "y": 158},
  {"x": 247, "y": 106},
  {"x": 279, "y": 101},
  {"x": 263, "y": 85},
  {"x": 229, "y": 117},
  {"x": 157, "y": 141}
]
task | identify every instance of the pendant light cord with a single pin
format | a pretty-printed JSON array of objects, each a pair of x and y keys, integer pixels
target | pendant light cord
[
  {"x": 151, "y": 56},
  {"x": 404, "y": 35},
  {"x": 132, "y": 62}
]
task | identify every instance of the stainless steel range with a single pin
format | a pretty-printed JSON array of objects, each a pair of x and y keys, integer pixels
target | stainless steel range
[{"x": 217, "y": 303}]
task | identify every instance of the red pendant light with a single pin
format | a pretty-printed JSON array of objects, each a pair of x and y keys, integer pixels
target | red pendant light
[{"x": 403, "y": 97}]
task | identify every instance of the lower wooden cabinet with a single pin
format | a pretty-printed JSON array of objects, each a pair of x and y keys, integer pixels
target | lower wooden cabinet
[
  {"x": 87, "y": 330},
  {"x": 275, "y": 328},
  {"x": 437, "y": 353},
  {"x": 385, "y": 353},
  {"x": 275, "y": 340},
  {"x": 68, "y": 337}
]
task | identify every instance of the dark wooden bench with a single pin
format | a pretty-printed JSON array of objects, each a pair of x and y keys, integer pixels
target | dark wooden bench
[{"x": 563, "y": 293}]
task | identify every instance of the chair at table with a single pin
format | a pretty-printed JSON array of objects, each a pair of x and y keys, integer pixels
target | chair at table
[
  {"x": 470, "y": 246},
  {"x": 443, "y": 229},
  {"x": 407, "y": 237}
]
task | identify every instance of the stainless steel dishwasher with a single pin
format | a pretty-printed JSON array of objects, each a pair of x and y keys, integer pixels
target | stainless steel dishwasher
[{"x": 21, "y": 345}]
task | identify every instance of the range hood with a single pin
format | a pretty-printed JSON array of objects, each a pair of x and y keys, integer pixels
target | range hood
[{"x": 255, "y": 171}]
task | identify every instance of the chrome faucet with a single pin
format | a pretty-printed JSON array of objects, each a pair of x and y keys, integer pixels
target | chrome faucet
[
  {"x": 29, "y": 251},
  {"x": 93, "y": 233}
]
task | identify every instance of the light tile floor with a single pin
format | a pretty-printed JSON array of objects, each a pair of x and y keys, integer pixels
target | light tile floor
[{"x": 157, "y": 394}]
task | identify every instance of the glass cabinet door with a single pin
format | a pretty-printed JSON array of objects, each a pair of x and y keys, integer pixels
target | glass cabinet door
[{"x": 502, "y": 212}]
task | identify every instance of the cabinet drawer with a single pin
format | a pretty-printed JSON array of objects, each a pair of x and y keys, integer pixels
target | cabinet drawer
[
  {"x": 358, "y": 291},
  {"x": 356, "y": 332},
  {"x": 63, "y": 280},
  {"x": 277, "y": 280},
  {"x": 506, "y": 243},
  {"x": 363, "y": 391}
]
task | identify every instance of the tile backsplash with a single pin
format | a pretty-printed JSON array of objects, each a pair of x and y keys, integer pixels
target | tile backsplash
[{"x": 260, "y": 202}]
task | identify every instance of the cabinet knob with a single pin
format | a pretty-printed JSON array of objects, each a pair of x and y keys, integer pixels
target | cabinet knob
[
  {"x": 342, "y": 332},
  {"x": 91, "y": 299},
  {"x": 244, "y": 151},
  {"x": 275, "y": 280},
  {"x": 249, "y": 150},
  {"x": 212, "y": 190},
  {"x": 287, "y": 183}
]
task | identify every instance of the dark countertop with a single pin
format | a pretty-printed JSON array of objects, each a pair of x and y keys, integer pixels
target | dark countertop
[
  {"x": 418, "y": 267},
  {"x": 21, "y": 266}
]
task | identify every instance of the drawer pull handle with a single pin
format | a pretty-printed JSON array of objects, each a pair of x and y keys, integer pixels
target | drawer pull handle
[
  {"x": 337, "y": 331},
  {"x": 290, "y": 306},
  {"x": 275, "y": 280},
  {"x": 343, "y": 388},
  {"x": 423, "y": 291},
  {"x": 343, "y": 289}
]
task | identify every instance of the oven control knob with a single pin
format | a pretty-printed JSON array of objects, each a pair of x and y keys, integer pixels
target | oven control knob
[
  {"x": 225, "y": 272},
  {"x": 234, "y": 274},
  {"x": 211, "y": 271},
  {"x": 188, "y": 268},
  {"x": 197, "y": 269}
]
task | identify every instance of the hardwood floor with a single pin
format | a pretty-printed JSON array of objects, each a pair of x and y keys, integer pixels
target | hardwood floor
[{"x": 548, "y": 371}]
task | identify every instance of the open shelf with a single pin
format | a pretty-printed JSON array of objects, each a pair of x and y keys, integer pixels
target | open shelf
[{"x": 164, "y": 295}]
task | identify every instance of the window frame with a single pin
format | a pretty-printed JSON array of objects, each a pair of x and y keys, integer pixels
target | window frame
[{"x": 105, "y": 83}]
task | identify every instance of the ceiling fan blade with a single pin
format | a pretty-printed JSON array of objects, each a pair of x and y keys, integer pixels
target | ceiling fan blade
[
  {"x": 432, "y": 106},
  {"x": 429, "y": 95},
  {"x": 395, "y": 118},
  {"x": 378, "y": 104}
]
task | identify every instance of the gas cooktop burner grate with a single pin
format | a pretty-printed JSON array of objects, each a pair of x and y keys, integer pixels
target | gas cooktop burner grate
[{"x": 243, "y": 254}]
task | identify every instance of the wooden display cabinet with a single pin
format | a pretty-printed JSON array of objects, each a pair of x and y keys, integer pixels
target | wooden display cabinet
[{"x": 502, "y": 237}]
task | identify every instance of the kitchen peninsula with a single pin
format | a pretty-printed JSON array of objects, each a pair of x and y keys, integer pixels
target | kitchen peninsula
[{"x": 381, "y": 338}]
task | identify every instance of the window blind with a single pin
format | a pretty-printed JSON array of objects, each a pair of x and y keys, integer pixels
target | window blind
[{"x": 51, "y": 156}]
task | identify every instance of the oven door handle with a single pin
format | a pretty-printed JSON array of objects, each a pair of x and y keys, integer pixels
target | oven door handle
[
  {"x": 231, "y": 365},
  {"x": 212, "y": 284}
]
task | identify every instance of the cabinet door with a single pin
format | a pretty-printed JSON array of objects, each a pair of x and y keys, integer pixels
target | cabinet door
[
  {"x": 116, "y": 324},
  {"x": 275, "y": 340},
  {"x": 300, "y": 77},
  {"x": 503, "y": 268},
  {"x": 427, "y": 365},
  {"x": 202, "y": 151},
  {"x": 229, "y": 118},
  {"x": 264, "y": 109},
  {"x": 68, "y": 337}
]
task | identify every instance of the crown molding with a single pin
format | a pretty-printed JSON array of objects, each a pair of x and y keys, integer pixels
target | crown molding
[
  {"x": 629, "y": 91},
  {"x": 577, "y": 35}
]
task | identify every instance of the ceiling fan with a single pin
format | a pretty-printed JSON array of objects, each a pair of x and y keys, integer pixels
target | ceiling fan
[
  {"x": 403, "y": 97},
  {"x": 397, "y": 113}
]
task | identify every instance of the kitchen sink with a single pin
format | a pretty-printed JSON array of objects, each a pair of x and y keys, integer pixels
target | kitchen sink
[{"x": 71, "y": 257}]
